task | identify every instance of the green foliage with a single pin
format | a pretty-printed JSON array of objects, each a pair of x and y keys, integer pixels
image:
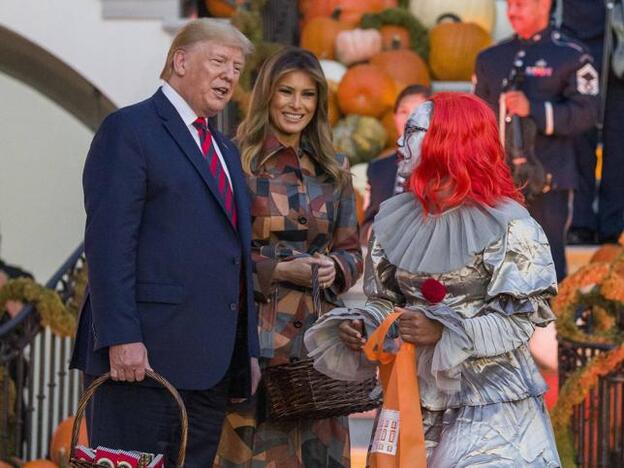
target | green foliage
[
  {"x": 61, "y": 318},
  {"x": 419, "y": 35}
]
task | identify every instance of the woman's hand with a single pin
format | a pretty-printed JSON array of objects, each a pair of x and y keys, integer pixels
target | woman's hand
[
  {"x": 416, "y": 328},
  {"x": 351, "y": 333},
  {"x": 327, "y": 270},
  {"x": 299, "y": 271}
]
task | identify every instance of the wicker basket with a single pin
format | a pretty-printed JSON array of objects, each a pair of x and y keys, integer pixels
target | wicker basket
[
  {"x": 298, "y": 391},
  {"x": 88, "y": 394}
]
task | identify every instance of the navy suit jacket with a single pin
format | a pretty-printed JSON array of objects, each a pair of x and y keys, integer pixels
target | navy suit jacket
[{"x": 166, "y": 267}]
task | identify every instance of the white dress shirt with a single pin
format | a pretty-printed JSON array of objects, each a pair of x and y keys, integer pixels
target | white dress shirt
[{"x": 188, "y": 117}]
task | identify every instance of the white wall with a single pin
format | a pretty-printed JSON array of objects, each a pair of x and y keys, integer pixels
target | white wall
[
  {"x": 121, "y": 57},
  {"x": 42, "y": 150},
  {"x": 502, "y": 28}
]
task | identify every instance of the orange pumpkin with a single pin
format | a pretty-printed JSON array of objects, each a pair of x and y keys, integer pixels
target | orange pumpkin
[
  {"x": 606, "y": 253},
  {"x": 304, "y": 5},
  {"x": 314, "y": 8},
  {"x": 404, "y": 66},
  {"x": 41, "y": 463},
  {"x": 5, "y": 465},
  {"x": 333, "y": 111},
  {"x": 222, "y": 8},
  {"x": 387, "y": 120},
  {"x": 366, "y": 90},
  {"x": 351, "y": 10},
  {"x": 394, "y": 37},
  {"x": 60, "y": 443},
  {"x": 319, "y": 35},
  {"x": 481, "y": 12},
  {"x": 454, "y": 48}
]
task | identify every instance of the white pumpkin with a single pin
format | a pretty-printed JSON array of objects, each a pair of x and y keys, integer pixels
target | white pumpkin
[
  {"x": 481, "y": 12},
  {"x": 357, "y": 45},
  {"x": 334, "y": 71}
]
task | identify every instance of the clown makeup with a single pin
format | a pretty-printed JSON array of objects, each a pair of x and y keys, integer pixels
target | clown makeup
[{"x": 410, "y": 143}]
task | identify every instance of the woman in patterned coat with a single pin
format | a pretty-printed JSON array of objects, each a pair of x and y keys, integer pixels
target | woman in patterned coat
[{"x": 303, "y": 213}]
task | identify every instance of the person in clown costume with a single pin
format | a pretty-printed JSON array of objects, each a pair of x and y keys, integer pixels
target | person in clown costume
[{"x": 472, "y": 272}]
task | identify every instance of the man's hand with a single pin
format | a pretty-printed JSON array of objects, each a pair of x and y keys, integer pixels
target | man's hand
[
  {"x": 128, "y": 362},
  {"x": 299, "y": 271},
  {"x": 416, "y": 328},
  {"x": 351, "y": 333},
  {"x": 517, "y": 103}
]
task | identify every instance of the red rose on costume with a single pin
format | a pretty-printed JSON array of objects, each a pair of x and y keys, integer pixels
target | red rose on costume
[{"x": 433, "y": 290}]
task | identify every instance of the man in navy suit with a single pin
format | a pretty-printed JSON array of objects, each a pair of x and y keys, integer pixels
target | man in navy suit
[{"x": 167, "y": 242}]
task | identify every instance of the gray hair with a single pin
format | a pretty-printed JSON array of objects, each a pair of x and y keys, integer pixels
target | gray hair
[{"x": 205, "y": 29}]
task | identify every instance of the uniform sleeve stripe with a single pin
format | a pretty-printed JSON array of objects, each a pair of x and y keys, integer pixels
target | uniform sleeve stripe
[{"x": 550, "y": 118}]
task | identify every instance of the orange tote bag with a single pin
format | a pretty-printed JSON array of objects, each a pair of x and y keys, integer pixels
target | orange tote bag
[{"x": 399, "y": 440}]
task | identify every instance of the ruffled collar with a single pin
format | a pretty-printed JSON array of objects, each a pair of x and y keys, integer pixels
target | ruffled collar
[{"x": 440, "y": 243}]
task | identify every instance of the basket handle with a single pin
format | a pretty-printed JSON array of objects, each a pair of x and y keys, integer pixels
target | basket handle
[
  {"x": 316, "y": 291},
  {"x": 297, "y": 343},
  {"x": 89, "y": 392}
]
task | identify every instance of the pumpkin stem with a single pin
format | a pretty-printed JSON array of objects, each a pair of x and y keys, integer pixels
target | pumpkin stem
[
  {"x": 336, "y": 13},
  {"x": 452, "y": 17}
]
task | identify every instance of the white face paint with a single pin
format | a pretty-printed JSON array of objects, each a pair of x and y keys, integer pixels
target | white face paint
[{"x": 410, "y": 143}]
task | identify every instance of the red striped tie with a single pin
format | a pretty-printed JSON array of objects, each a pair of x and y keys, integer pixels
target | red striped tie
[{"x": 216, "y": 169}]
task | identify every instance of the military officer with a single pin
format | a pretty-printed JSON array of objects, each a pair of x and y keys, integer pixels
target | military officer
[
  {"x": 559, "y": 93},
  {"x": 585, "y": 20}
]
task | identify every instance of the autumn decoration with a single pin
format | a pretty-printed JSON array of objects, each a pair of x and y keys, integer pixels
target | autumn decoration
[
  {"x": 592, "y": 295},
  {"x": 366, "y": 90},
  {"x": 454, "y": 47}
]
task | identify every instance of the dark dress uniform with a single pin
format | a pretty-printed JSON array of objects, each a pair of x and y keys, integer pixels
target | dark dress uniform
[
  {"x": 561, "y": 84},
  {"x": 383, "y": 182},
  {"x": 585, "y": 20}
]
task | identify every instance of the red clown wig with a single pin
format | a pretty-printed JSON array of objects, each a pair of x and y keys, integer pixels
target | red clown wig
[{"x": 462, "y": 159}]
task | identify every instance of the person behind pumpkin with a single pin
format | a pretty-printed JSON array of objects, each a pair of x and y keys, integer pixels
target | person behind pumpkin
[
  {"x": 303, "y": 213},
  {"x": 381, "y": 174},
  {"x": 463, "y": 224}
]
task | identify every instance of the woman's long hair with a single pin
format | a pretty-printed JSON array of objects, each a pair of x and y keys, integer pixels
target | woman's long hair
[
  {"x": 462, "y": 159},
  {"x": 256, "y": 126}
]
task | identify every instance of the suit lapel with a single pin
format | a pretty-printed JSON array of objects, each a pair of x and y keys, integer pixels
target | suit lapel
[{"x": 179, "y": 132}]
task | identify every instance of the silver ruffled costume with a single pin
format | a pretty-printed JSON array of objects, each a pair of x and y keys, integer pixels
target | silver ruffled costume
[{"x": 481, "y": 392}]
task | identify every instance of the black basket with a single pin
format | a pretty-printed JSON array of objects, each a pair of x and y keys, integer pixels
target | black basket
[{"x": 298, "y": 391}]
